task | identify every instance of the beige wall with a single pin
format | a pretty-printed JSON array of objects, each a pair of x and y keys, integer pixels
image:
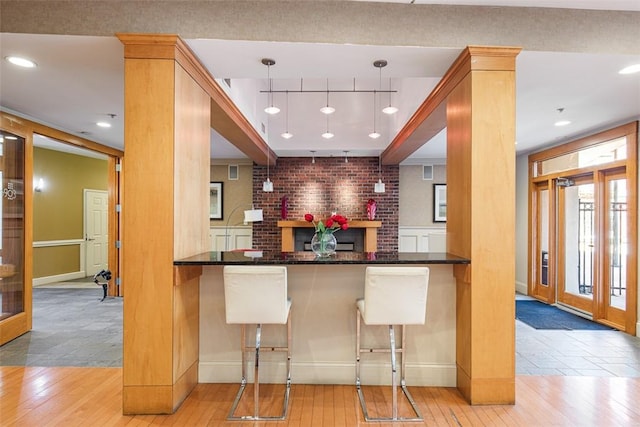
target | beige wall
[
  {"x": 236, "y": 194},
  {"x": 58, "y": 209},
  {"x": 416, "y": 195}
]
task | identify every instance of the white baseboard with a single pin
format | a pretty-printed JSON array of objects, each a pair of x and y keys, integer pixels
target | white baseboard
[
  {"x": 328, "y": 373},
  {"x": 58, "y": 278},
  {"x": 521, "y": 288}
]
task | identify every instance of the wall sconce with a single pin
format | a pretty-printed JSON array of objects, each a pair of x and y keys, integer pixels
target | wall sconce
[{"x": 38, "y": 185}]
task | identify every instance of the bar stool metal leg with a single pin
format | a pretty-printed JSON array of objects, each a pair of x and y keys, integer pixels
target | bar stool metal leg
[
  {"x": 394, "y": 380},
  {"x": 256, "y": 383}
]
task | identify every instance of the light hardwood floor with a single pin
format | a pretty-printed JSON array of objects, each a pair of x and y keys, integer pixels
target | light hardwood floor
[{"x": 33, "y": 396}]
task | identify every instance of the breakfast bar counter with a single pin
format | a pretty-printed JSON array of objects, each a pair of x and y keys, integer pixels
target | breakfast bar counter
[{"x": 324, "y": 291}]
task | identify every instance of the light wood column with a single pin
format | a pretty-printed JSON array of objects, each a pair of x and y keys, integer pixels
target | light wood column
[
  {"x": 164, "y": 217},
  {"x": 480, "y": 112}
]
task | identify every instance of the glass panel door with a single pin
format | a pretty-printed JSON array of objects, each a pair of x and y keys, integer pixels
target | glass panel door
[
  {"x": 617, "y": 248},
  {"x": 576, "y": 245},
  {"x": 543, "y": 279},
  {"x": 13, "y": 320}
]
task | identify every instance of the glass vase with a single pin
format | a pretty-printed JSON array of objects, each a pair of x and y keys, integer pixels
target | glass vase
[{"x": 323, "y": 244}]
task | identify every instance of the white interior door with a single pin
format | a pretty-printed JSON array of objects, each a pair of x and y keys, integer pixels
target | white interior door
[{"x": 96, "y": 229}]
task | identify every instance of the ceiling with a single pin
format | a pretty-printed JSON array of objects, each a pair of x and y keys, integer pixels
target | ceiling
[{"x": 79, "y": 81}]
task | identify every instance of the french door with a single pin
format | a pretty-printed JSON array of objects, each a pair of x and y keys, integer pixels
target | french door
[
  {"x": 593, "y": 244},
  {"x": 583, "y": 226}
]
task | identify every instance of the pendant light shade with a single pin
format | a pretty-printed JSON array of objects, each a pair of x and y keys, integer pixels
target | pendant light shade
[
  {"x": 378, "y": 187},
  {"x": 327, "y": 109},
  {"x": 327, "y": 134},
  {"x": 286, "y": 134},
  {"x": 374, "y": 134},
  {"x": 271, "y": 109},
  {"x": 389, "y": 109}
]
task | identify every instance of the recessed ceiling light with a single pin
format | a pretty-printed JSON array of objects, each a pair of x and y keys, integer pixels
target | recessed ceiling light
[
  {"x": 104, "y": 124},
  {"x": 562, "y": 123},
  {"x": 631, "y": 69},
  {"x": 20, "y": 62}
]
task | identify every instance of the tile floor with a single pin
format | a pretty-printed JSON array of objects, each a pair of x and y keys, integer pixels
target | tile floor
[
  {"x": 71, "y": 327},
  {"x": 577, "y": 353}
]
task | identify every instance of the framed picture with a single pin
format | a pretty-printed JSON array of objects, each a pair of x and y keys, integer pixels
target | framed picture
[
  {"x": 215, "y": 200},
  {"x": 439, "y": 202}
]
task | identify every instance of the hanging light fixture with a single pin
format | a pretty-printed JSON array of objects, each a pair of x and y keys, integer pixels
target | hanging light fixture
[
  {"x": 267, "y": 186},
  {"x": 327, "y": 134},
  {"x": 346, "y": 160},
  {"x": 271, "y": 109},
  {"x": 286, "y": 134},
  {"x": 379, "y": 186},
  {"x": 313, "y": 156},
  {"x": 374, "y": 134},
  {"x": 327, "y": 109},
  {"x": 380, "y": 64},
  {"x": 389, "y": 109}
]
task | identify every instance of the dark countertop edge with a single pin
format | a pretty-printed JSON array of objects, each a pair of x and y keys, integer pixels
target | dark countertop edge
[{"x": 205, "y": 258}]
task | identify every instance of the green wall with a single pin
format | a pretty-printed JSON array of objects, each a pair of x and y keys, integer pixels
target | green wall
[{"x": 58, "y": 208}]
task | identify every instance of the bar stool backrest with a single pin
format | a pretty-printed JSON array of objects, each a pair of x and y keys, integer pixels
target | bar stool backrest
[
  {"x": 395, "y": 295},
  {"x": 256, "y": 294}
]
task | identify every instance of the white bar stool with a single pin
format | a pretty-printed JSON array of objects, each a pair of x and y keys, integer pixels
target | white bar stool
[
  {"x": 258, "y": 295},
  {"x": 392, "y": 296}
]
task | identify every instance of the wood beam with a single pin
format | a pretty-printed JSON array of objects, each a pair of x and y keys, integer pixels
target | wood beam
[
  {"x": 226, "y": 118},
  {"x": 430, "y": 118}
]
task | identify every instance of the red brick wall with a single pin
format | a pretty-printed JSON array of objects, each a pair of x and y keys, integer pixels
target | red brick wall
[{"x": 322, "y": 187}]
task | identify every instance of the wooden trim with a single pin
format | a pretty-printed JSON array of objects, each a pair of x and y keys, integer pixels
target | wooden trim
[
  {"x": 430, "y": 113},
  {"x": 587, "y": 141},
  {"x": 226, "y": 118},
  {"x": 61, "y": 136},
  {"x": 288, "y": 227}
]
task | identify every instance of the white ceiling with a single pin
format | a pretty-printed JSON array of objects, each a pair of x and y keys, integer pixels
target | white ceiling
[{"x": 79, "y": 81}]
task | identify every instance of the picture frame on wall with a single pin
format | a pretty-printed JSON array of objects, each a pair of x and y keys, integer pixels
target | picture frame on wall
[
  {"x": 215, "y": 200},
  {"x": 439, "y": 202}
]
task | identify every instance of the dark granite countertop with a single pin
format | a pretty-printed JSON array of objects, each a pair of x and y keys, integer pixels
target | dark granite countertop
[{"x": 301, "y": 258}]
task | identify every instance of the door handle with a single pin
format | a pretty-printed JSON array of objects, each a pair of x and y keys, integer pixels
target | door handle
[{"x": 86, "y": 238}]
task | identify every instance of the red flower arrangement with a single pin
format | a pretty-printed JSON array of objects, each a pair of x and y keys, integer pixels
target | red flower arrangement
[{"x": 330, "y": 225}]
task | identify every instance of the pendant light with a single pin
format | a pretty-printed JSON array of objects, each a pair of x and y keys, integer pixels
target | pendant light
[
  {"x": 374, "y": 134},
  {"x": 379, "y": 186},
  {"x": 286, "y": 134},
  {"x": 389, "y": 109},
  {"x": 271, "y": 109},
  {"x": 327, "y": 109},
  {"x": 267, "y": 186},
  {"x": 380, "y": 64},
  {"x": 327, "y": 134}
]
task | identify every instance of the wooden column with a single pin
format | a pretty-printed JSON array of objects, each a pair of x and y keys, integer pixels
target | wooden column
[
  {"x": 164, "y": 217},
  {"x": 480, "y": 112}
]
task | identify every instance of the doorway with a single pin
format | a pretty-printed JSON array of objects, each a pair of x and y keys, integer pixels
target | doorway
[
  {"x": 96, "y": 231},
  {"x": 583, "y": 226}
]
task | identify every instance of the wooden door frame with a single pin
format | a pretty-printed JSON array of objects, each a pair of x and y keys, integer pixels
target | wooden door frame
[
  {"x": 630, "y": 132},
  {"x": 21, "y": 323}
]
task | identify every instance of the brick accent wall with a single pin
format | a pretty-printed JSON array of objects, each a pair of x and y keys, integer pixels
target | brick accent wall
[{"x": 322, "y": 187}]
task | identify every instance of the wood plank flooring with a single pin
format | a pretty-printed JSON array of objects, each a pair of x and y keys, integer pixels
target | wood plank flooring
[{"x": 33, "y": 396}]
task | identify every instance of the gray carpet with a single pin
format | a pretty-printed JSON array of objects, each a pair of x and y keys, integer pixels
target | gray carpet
[{"x": 71, "y": 327}]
